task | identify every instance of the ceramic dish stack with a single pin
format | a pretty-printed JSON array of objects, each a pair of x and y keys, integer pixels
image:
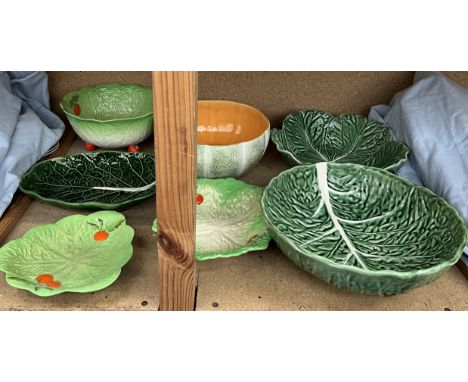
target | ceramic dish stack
[{"x": 231, "y": 140}]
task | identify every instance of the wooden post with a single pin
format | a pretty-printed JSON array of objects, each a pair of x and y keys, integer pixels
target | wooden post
[{"x": 175, "y": 116}]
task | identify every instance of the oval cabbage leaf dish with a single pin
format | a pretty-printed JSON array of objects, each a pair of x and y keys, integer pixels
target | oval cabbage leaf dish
[
  {"x": 362, "y": 228},
  {"x": 76, "y": 254},
  {"x": 104, "y": 180},
  {"x": 314, "y": 136},
  {"x": 229, "y": 219}
]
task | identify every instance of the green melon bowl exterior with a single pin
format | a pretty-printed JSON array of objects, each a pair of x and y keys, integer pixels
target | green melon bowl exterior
[
  {"x": 313, "y": 136},
  {"x": 111, "y": 115},
  {"x": 230, "y": 160},
  {"x": 362, "y": 228}
]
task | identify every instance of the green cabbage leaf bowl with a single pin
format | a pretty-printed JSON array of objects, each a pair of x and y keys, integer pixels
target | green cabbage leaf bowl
[
  {"x": 314, "y": 136},
  {"x": 362, "y": 228},
  {"x": 105, "y": 180},
  {"x": 76, "y": 254},
  {"x": 110, "y": 115},
  {"x": 229, "y": 219}
]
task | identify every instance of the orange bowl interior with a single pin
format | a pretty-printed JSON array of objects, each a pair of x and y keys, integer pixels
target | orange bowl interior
[{"x": 227, "y": 123}]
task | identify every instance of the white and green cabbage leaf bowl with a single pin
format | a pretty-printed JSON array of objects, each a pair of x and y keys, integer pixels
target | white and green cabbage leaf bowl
[
  {"x": 76, "y": 254},
  {"x": 314, "y": 136},
  {"x": 229, "y": 219},
  {"x": 110, "y": 115},
  {"x": 362, "y": 228}
]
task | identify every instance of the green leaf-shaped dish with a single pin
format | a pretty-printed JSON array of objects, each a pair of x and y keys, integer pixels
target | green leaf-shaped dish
[
  {"x": 111, "y": 115},
  {"x": 229, "y": 219},
  {"x": 105, "y": 180},
  {"x": 314, "y": 136},
  {"x": 362, "y": 228},
  {"x": 76, "y": 254}
]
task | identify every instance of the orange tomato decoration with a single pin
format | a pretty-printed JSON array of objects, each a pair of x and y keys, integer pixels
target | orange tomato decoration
[
  {"x": 101, "y": 235},
  {"x": 199, "y": 199},
  {"x": 45, "y": 278},
  {"x": 77, "y": 109},
  {"x": 89, "y": 147},
  {"x": 49, "y": 281},
  {"x": 54, "y": 284},
  {"x": 133, "y": 149}
]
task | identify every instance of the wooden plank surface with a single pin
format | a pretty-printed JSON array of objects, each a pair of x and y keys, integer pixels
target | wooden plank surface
[
  {"x": 21, "y": 201},
  {"x": 175, "y": 108}
]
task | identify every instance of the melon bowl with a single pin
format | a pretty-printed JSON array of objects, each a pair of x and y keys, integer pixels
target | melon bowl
[
  {"x": 232, "y": 138},
  {"x": 362, "y": 228},
  {"x": 313, "y": 136},
  {"x": 110, "y": 115}
]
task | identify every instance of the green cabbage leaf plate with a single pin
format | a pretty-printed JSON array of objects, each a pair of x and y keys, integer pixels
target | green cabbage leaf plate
[
  {"x": 76, "y": 254},
  {"x": 314, "y": 136},
  {"x": 229, "y": 219}
]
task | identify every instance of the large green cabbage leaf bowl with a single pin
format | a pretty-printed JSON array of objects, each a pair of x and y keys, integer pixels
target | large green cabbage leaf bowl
[
  {"x": 314, "y": 136},
  {"x": 229, "y": 219},
  {"x": 76, "y": 254},
  {"x": 106, "y": 180},
  {"x": 110, "y": 115},
  {"x": 362, "y": 228}
]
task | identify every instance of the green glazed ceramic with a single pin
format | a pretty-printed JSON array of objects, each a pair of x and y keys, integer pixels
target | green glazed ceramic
[
  {"x": 231, "y": 138},
  {"x": 111, "y": 115},
  {"x": 229, "y": 219},
  {"x": 76, "y": 254},
  {"x": 362, "y": 228},
  {"x": 106, "y": 180},
  {"x": 314, "y": 136}
]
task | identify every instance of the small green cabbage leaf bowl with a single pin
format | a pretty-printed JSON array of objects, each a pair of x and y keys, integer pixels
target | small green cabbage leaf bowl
[
  {"x": 110, "y": 115},
  {"x": 314, "y": 136},
  {"x": 362, "y": 228},
  {"x": 105, "y": 180},
  {"x": 229, "y": 219},
  {"x": 76, "y": 254}
]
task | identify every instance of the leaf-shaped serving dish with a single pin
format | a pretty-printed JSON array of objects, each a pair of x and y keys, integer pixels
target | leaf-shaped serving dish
[
  {"x": 76, "y": 254},
  {"x": 314, "y": 136},
  {"x": 229, "y": 219},
  {"x": 362, "y": 228},
  {"x": 105, "y": 180}
]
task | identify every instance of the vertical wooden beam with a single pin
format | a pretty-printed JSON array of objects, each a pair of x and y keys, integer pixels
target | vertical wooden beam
[{"x": 175, "y": 109}]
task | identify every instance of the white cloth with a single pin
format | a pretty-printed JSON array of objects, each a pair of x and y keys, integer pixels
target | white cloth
[
  {"x": 28, "y": 129},
  {"x": 431, "y": 118}
]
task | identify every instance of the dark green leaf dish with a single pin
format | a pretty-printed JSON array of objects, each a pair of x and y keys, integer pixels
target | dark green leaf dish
[
  {"x": 105, "y": 180},
  {"x": 314, "y": 136},
  {"x": 77, "y": 254},
  {"x": 362, "y": 228}
]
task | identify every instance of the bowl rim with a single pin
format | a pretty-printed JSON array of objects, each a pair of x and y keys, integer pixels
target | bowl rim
[
  {"x": 366, "y": 272},
  {"x": 275, "y": 132},
  {"x": 83, "y": 205},
  {"x": 104, "y": 120},
  {"x": 264, "y": 117}
]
